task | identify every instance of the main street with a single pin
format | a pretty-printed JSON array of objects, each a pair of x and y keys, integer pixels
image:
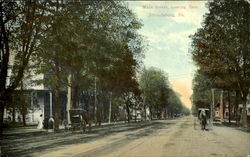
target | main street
[{"x": 162, "y": 138}]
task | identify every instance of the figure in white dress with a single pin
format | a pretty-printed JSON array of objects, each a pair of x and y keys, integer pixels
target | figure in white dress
[{"x": 40, "y": 122}]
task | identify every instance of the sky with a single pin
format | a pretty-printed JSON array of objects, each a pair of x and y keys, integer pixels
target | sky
[{"x": 166, "y": 29}]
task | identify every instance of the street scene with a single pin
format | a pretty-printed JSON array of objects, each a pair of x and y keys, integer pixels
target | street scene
[
  {"x": 124, "y": 78},
  {"x": 160, "y": 138}
]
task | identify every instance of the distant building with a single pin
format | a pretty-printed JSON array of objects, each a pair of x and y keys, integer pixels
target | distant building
[{"x": 218, "y": 110}]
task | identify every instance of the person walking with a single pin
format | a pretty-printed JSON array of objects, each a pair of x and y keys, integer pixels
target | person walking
[{"x": 40, "y": 122}]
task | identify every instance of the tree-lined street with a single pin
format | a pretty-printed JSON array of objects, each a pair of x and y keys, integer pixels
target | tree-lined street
[
  {"x": 124, "y": 78},
  {"x": 161, "y": 138}
]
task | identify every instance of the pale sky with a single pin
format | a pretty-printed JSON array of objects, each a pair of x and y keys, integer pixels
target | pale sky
[{"x": 166, "y": 27}]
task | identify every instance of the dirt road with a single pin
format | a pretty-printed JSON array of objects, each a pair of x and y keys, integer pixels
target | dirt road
[{"x": 165, "y": 138}]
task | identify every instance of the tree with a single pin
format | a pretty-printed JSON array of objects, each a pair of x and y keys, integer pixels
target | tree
[
  {"x": 22, "y": 104},
  {"x": 201, "y": 97},
  {"x": 185, "y": 111},
  {"x": 163, "y": 101},
  {"x": 175, "y": 104},
  {"x": 153, "y": 83},
  {"x": 22, "y": 26},
  {"x": 116, "y": 58},
  {"x": 92, "y": 45},
  {"x": 220, "y": 48}
]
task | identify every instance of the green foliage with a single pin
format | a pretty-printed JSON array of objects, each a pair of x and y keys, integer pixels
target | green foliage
[
  {"x": 154, "y": 84},
  {"x": 221, "y": 49},
  {"x": 201, "y": 97},
  {"x": 158, "y": 94},
  {"x": 94, "y": 42},
  {"x": 23, "y": 25},
  {"x": 175, "y": 104},
  {"x": 21, "y": 101}
]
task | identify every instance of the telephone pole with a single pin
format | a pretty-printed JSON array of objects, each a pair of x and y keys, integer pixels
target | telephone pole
[{"x": 69, "y": 99}]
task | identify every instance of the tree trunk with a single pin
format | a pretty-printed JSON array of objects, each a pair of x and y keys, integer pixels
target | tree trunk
[
  {"x": 98, "y": 116},
  {"x": 244, "y": 111},
  {"x": 74, "y": 96},
  {"x": 1, "y": 118},
  {"x": 135, "y": 115},
  {"x": 237, "y": 107},
  {"x": 222, "y": 106},
  {"x": 229, "y": 108},
  {"x": 24, "y": 119},
  {"x": 165, "y": 114},
  {"x": 13, "y": 114},
  {"x": 95, "y": 103},
  {"x": 144, "y": 105},
  {"x": 110, "y": 106},
  {"x": 57, "y": 108},
  {"x": 151, "y": 115},
  {"x": 128, "y": 112},
  {"x": 145, "y": 112}
]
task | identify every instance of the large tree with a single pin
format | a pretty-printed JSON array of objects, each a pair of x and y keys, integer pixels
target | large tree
[
  {"x": 154, "y": 84},
  {"x": 97, "y": 44},
  {"x": 221, "y": 49},
  {"x": 22, "y": 26}
]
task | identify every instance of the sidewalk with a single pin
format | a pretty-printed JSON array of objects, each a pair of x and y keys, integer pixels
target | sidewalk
[
  {"x": 234, "y": 125},
  {"x": 22, "y": 131},
  {"x": 61, "y": 127}
]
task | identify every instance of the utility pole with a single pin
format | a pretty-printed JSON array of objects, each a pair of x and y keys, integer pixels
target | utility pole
[
  {"x": 212, "y": 106},
  {"x": 95, "y": 103},
  {"x": 221, "y": 106},
  {"x": 144, "y": 105},
  {"x": 110, "y": 106},
  {"x": 50, "y": 103},
  {"x": 69, "y": 99}
]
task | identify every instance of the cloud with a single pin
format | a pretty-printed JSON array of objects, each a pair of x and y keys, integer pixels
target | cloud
[{"x": 168, "y": 39}]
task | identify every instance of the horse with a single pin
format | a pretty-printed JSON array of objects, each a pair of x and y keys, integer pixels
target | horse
[
  {"x": 87, "y": 121},
  {"x": 203, "y": 118}
]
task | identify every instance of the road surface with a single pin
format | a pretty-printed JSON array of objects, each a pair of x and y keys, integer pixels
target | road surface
[{"x": 163, "y": 138}]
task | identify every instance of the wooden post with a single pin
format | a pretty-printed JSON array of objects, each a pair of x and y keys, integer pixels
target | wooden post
[
  {"x": 212, "y": 105},
  {"x": 69, "y": 99},
  {"x": 221, "y": 106},
  {"x": 95, "y": 103},
  {"x": 110, "y": 106}
]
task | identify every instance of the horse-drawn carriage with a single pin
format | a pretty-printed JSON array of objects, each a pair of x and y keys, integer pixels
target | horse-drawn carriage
[
  {"x": 204, "y": 119},
  {"x": 203, "y": 116},
  {"x": 78, "y": 120}
]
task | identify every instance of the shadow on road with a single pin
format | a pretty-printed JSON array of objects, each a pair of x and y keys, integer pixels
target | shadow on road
[{"x": 26, "y": 144}]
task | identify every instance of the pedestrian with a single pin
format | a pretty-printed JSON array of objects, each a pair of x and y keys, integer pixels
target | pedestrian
[{"x": 40, "y": 122}]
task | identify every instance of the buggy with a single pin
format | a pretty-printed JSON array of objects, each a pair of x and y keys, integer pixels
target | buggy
[
  {"x": 79, "y": 119},
  {"x": 204, "y": 117}
]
